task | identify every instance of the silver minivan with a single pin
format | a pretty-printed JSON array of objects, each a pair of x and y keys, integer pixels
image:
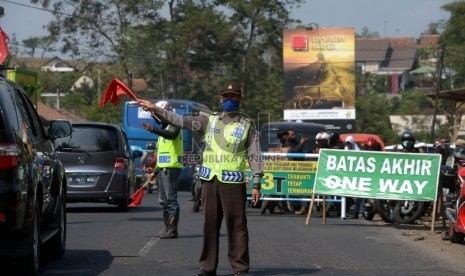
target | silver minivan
[{"x": 98, "y": 164}]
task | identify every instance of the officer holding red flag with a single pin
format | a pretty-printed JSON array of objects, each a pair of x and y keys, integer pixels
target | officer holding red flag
[{"x": 168, "y": 169}]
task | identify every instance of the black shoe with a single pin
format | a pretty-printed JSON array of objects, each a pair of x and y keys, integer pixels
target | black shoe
[
  {"x": 205, "y": 273},
  {"x": 241, "y": 273},
  {"x": 354, "y": 216},
  {"x": 195, "y": 209}
]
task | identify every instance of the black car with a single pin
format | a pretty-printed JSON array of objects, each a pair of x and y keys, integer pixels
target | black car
[
  {"x": 32, "y": 183},
  {"x": 97, "y": 163}
]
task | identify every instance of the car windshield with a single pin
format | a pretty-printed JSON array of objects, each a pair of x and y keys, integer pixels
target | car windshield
[{"x": 88, "y": 139}]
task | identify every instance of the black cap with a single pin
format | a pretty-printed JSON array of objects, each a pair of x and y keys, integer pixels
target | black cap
[{"x": 232, "y": 87}]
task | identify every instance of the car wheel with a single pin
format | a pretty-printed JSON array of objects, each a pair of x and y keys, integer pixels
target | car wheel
[
  {"x": 124, "y": 202},
  {"x": 56, "y": 245},
  {"x": 29, "y": 265}
]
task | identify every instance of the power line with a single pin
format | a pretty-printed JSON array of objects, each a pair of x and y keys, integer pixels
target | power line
[{"x": 27, "y": 6}]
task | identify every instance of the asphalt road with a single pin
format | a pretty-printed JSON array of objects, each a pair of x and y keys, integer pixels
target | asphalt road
[{"x": 102, "y": 241}]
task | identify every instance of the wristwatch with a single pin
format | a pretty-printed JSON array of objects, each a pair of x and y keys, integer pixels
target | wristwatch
[{"x": 256, "y": 186}]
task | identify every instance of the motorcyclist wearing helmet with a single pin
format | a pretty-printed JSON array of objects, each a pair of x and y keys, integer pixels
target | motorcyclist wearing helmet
[
  {"x": 407, "y": 140},
  {"x": 149, "y": 160},
  {"x": 335, "y": 141},
  {"x": 442, "y": 148},
  {"x": 459, "y": 158},
  {"x": 323, "y": 141}
]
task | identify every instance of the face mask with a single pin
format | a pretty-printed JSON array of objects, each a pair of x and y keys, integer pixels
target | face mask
[
  {"x": 230, "y": 105},
  {"x": 408, "y": 144}
]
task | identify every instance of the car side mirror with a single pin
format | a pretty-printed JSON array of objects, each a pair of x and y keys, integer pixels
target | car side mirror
[
  {"x": 136, "y": 154},
  {"x": 59, "y": 129}
]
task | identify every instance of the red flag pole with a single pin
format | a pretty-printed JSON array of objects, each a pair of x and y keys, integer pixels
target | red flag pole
[{"x": 136, "y": 198}]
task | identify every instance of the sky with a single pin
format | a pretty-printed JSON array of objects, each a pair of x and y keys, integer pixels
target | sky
[{"x": 387, "y": 17}]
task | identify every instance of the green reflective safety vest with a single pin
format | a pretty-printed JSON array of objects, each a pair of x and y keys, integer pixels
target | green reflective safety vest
[
  {"x": 225, "y": 153},
  {"x": 170, "y": 152}
]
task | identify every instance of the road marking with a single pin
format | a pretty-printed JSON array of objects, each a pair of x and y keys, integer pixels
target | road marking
[
  {"x": 148, "y": 246},
  {"x": 68, "y": 272}
]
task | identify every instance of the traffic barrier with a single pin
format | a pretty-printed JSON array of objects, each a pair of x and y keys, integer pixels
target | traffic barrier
[{"x": 284, "y": 176}]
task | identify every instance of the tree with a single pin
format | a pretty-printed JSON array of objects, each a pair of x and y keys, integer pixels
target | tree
[
  {"x": 34, "y": 43},
  {"x": 435, "y": 27},
  {"x": 453, "y": 41},
  {"x": 373, "y": 117},
  {"x": 31, "y": 44},
  {"x": 99, "y": 30},
  {"x": 46, "y": 44},
  {"x": 200, "y": 46},
  {"x": 258, "y": 50},
  {"x": 366, "y": 33}
]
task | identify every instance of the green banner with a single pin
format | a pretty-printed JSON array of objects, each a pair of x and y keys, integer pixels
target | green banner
[
  {"x": 282, "y": 177},
  {"x": 384, "y": 175}
]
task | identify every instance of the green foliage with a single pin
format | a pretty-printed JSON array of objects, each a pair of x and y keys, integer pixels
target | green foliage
[
  {"x": 453, "y": 41},
  {"x": 108, "y": 113},
  {"x": 31, "y": 44},
  {"x": 370, "y": 83},
  {"x": 373, "y": 112},
  {"x": 34, "y": 43},
  {"x": 415, "y": 102}
]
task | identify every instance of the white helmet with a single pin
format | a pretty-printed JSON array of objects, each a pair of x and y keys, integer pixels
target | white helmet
[
  {"x": 322, "y": 136},
  {"x": 164, "y": 105}
]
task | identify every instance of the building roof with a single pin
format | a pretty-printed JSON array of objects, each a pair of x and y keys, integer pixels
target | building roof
[
  {"x": 83, "y": 81},
  {"x": 427, "y": 41},
  {"x": 455, "y": 95},
  {"x": 49, "y": 113},
  {"x": 395, "y": 55},
  {"x": 56, "y": 64},
  {"x": 371, "y": 49}
]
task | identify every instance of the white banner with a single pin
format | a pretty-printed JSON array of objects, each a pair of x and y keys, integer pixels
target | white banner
[{"x": 322, "y": 114}]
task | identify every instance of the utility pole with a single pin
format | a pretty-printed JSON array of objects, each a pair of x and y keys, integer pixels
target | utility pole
[{"x": 437, "y": 88}]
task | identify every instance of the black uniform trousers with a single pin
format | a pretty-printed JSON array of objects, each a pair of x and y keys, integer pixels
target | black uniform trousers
[{"x": 229, "y": 201}]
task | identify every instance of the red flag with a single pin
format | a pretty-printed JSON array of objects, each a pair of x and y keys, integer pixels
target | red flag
[
  {"x": 114, "y": 89},
  {"x": 136, "y": 199},
  {"x": 3, "y": 47}
]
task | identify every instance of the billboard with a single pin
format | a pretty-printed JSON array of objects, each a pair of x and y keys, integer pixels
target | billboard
[{"x": 319, "y": 74}]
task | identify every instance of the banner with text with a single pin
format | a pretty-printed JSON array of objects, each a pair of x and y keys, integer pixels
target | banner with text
[
  {"x": 288, "y": 177},
  {"x": 384, "y": 175}
]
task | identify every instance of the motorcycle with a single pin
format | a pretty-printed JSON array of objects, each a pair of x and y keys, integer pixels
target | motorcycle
[
  {"x": 408, "y": 211},
  {"x": 369, "y": 209},
  {"x": 395, "y": 211},
  {"x": 455, "y": 208},
  {"x": 153, "y": 185}
]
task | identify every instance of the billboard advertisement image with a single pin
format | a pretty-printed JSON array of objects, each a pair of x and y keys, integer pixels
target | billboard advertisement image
[{"x": 319, "y": 74}]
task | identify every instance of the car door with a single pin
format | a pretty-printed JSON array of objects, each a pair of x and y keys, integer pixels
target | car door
[
  {"x": 130, "y": 160},
  {"x": 41, "y": 146}
]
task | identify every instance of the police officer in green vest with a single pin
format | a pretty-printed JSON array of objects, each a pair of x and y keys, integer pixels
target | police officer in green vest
[
  {"x": 168, "y": 169},
  {"x": 230, "y": 142}
]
